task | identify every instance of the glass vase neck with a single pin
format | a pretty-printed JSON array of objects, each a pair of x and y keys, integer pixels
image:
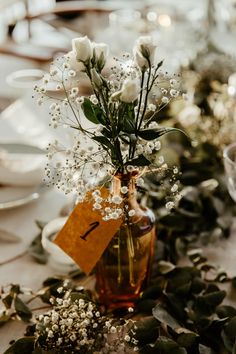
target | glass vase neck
[{"x": 125, "y": 180}]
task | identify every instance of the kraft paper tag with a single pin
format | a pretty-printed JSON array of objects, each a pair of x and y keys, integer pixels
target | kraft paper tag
[{"x": 86, "y": 235}]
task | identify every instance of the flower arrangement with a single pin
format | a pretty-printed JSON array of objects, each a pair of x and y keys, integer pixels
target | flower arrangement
[
  {"x": 76, "y": 325},
  {"x": 120, "y": 132}
]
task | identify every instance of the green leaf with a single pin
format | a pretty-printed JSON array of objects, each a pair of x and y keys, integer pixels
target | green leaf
[
  {"x": 164, "y": 317},
  {"x": 22, "y": 346},
  {"x": 166, "y": 346},
  {"x": 229, "y": 335},
  {"x": 165, "y": 267},
  {"x": 104, "y": 141},
  {"x": 7, "y": 300},
  {"x": 37, "y": 251},
  {"x": 128, "y": 125},
  {"x": 187, "y": 340},
  {"x": 22, "y": 310},
  {"x": 139, "y": 161},
  {"x": 151, "y": 134},
  {"x": 146, "y": 306},
  {"x": 147, "y": 330},
  {"x": 173, "y": 221},
  {"x": 93, "y": 112},
  {"x": 206, "y": 304},
  {"x": 226, "y": 311},
  {"x": 153, "y": 292}
]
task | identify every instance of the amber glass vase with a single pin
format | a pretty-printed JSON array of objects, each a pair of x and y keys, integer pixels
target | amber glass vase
[{"x": 124, "y": 268}]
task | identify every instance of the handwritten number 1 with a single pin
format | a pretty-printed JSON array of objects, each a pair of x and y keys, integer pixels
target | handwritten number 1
[{"x": 93, "y": 226}]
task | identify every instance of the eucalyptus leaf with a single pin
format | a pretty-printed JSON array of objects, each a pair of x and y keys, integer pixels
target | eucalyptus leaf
[
  {"x": 7, "y": 300},
  {"x": 37, "y": 251},
  {"x": 207, "y": 303},
  {"x": 164, "y": 317},
  {"x": 230, "y": 330},
  {"x": 147, "y": 330},
  {"x": 165, "y": 267},
  {"x": 187, "y": 340},
  {"x": 166, "y": 345},
  {"x": 22, "y": 346},
  {"x": 22, "y": 310},
  {"x": 226, "y": 311}
]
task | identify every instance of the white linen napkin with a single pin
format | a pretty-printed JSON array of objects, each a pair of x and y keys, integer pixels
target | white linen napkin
[{"x": 21, "y": 169}]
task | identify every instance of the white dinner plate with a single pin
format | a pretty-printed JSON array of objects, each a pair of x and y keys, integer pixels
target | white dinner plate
[{"x": 14, "y": 196}]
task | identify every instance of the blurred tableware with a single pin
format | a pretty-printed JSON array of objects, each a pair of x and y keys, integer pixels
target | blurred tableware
[
  {"x": 21, "y": 165},
  {"x": 25, "y": 78},
  {"x": 230, "y": 168},
  {"x": 125, "y": 26},
  {"x": 58, "y": 259},
  {"x": 21, "y": 177},
  {"x": 6, "y": 236},
  {"x": 20, "y": 122},
  {"x": 12, "y": 197}
]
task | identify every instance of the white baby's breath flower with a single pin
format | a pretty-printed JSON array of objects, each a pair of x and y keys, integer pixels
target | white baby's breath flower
[
  {"x": 113, "y": 329},
  {"x": 130, "y": 168},
  {"x": 173, "y": 83},
  {"x": 157, "y": 145},
  {"x": 153, "y": 125},
  {"x": 72, "y": 73},
  {"x": 174, "y": 188},
  {"x": 170, "y": 205},
  {"x": 175, "y": 170},
  {"x": 174, "y": 93},
  {"x": 127, "y": 338},
  {"x": 131, "y": 212},
  {"x": 140, "y": 182},
  {"x": 116, "y": 199},
  {"x": 152, "y": 107},
  {"x": 165, "y": 100},
  {"x": 97, "y": 206},
  {"x": 124, "y": 190},
  {"x": 161, "y": 160}
]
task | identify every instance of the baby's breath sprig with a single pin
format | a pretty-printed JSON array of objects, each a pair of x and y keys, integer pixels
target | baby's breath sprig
[{"x": 76, "y": 325}]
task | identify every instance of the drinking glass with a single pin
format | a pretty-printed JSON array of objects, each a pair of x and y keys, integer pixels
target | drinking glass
[{"x": 230, "y": 168}]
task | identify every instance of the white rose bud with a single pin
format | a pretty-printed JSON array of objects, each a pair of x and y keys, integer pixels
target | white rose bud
[
  {"x": 83, "y": 48},
  {"x": 96, "y": 79},
  {"x": 130, "y": 90},
  {"x": 101, "y": 49},
  {"x": 144, "y": 50}
]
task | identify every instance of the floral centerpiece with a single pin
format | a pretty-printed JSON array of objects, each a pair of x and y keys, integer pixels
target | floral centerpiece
[{"x": 120, "y": 143}]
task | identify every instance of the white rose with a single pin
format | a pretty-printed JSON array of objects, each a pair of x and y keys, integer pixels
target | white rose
[
  {"x": 101, "y": 53},
  {"x": 83, "y": 48},
  {"x": 73, "y": 63},
  {"x": 144, "y": 49},
  {"x": 101, "y": 49},
  {"x": 130, "y": 90}
]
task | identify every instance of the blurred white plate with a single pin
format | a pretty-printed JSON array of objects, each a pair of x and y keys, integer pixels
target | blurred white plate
[{"x": 11, "y": 196}]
